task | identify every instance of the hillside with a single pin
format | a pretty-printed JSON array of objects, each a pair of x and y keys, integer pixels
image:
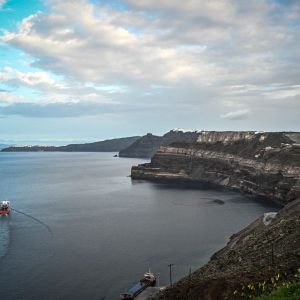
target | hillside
[{"x": 147, "y": 145}]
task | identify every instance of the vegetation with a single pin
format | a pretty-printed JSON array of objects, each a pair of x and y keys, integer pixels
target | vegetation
[
  {"x": 291, "y": 292},
  {"x": 279, "y": 287}
]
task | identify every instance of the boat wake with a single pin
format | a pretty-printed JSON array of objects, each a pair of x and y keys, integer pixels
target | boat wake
[
  {"x": 4, "y": 236},
  {"x": 35, "y": 219}
]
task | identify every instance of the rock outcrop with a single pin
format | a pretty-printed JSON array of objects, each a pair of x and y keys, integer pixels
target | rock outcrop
[
  {"x": 258, "y": 163},
  {"x": 267, "y": 247},
  {"x": 146, "y": 146}
]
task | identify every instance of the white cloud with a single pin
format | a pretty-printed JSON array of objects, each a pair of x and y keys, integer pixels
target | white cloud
[
  {"x": 236, "y": 115},
  {"x": 93, "y": 43},
  {"x": 72, "y": 40},
  {"x": 283, "y": 92},
  {"x": 15, "y": 77},
  {"x": 8, "y": 98},
  {"x": 215, "y": 55},
  {"x": 52, "y": 91}
]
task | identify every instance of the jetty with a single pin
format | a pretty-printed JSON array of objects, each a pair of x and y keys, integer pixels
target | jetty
[{"x": 148, "y": 292}]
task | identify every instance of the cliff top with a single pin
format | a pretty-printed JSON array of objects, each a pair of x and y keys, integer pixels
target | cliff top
[{"x": 277, "y": 147}]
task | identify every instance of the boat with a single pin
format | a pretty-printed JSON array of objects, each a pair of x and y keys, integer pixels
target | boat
[
  {"x": 148, "y": 280},
  {"x": 4, "y": 208}
]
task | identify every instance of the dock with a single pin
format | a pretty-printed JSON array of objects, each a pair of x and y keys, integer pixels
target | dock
[{"x": 148, "y": 292}]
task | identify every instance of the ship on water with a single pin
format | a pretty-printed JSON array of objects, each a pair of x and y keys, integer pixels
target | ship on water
[
  {"x": 148, "y": 280},
  {"x": 4, "y": 208}
]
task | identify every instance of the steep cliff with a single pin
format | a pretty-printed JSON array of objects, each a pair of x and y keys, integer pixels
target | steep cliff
[
  {"x": 146, "y": 146},
  {"x": 262, "y": 164},
  {"x": 250, "y": 263}
]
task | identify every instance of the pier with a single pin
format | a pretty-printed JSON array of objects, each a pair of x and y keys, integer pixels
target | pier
[{"x": 148, "y": 292}]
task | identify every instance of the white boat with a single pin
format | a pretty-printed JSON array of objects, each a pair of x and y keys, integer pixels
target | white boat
[{"x": 4, "y": 208}]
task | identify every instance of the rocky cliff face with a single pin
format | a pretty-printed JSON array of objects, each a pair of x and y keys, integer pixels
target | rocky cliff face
[
  {"x": 261, "y": 164},
  {"x": 267, "y": 247},
  {"x": 146, "y": 146}
]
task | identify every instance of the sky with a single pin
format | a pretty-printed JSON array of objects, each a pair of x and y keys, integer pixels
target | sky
[{"x": 87, "y": 70}]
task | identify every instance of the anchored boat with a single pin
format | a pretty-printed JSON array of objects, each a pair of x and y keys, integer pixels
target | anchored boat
[
  {"x": 148, "y": 280},
  {"x": 4, "y": 208}
]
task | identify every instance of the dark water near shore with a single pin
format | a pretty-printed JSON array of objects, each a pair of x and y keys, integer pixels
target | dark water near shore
[{"x": 105, "y": 230}]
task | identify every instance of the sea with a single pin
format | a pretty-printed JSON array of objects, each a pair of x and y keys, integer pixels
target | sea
[{"x": 81, "y": 228}]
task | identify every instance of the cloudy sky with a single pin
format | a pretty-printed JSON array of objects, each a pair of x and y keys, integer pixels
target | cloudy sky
[{"x": 84, "y": 70}]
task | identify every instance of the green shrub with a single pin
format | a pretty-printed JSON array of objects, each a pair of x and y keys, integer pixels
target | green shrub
[
  {"x": 279, "y": 287},
  {"x": 292, "y": 292}
]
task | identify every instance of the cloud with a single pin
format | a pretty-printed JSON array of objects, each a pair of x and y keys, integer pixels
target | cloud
[
  {"x": 59, "y": 90},
  {"x": 204, "y": 56},
  {"x": 236, "y": 115},
  {"x": 7, "y": 98},
  {"x": 73, "y": 41},
  {"x": 14, "y": 77},
  {"x": 55, "y": 110},
  {"x": 163, "y": 43}
]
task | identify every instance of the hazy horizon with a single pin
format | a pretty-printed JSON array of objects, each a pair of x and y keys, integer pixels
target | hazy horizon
[{"x": 43, "y": 142}]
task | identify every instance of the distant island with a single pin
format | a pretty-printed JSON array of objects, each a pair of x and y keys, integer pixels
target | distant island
[
  {"x": 3, "y": 146},
  {"x": 134, "y": 147},
  {"x": 111, "y": 145}
]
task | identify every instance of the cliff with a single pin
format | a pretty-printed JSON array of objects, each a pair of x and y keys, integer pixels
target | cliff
[
  {"x": 113, "y": 145},
  {"x": 146, "y": 146},
  {"x": 261, "y": 164},
  {"x": 250, "y": 263}
]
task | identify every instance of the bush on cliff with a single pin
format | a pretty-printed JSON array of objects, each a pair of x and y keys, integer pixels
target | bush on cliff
[{"x": 285, "y": 293}]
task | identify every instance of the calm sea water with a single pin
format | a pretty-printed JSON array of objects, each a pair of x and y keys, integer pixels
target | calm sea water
[{"x": 97, "y": 231}]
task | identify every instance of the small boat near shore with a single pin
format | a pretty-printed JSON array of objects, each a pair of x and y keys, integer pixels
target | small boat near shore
[
  {"x": 148, "y": 280},
  {"x": 4, "y": 208}
]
